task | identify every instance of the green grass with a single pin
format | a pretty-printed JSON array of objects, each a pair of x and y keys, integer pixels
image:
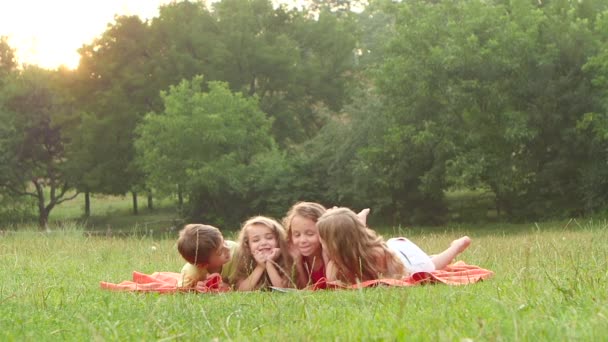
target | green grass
[
  {"x": 550, "y": 284},
  {"x": 115, "y": 213}
]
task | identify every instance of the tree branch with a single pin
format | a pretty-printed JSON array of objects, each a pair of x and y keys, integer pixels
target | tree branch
[
  {"x": 68, "y": 198},
  {"x": 20, "y": 192}
]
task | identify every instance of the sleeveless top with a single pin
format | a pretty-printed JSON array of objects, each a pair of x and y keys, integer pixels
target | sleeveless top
[{"x": 315, "y": 276}]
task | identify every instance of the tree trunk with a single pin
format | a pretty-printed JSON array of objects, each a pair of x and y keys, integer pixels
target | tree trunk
[
  {"x": 150, "y": 203},
  {"x": 43, "y": 214},
  {"x": 43, "y": 219},
  {"x": 135, "y": 210},
  {"x": 180, "y": 197},
  {"x": 87, "y": 204}
]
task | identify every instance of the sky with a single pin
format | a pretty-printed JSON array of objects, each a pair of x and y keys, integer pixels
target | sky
[{"x": 49, "y": 33}]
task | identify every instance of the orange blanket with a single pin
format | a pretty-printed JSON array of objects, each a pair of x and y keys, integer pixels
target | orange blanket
[
  {"x": 165, "y": 282},
  {"x": 458, "y": 273}
]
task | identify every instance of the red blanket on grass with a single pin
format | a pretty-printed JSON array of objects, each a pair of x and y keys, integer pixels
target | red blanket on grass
[
  {"x": 165, "y": 282},
  {"x": 458, "y": 273}
]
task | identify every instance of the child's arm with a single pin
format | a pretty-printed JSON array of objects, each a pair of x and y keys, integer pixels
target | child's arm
[
  {"x": 249, "y": 283},
  {"x": 275, "y": 276},
  {"x": 274, "y": 273}
]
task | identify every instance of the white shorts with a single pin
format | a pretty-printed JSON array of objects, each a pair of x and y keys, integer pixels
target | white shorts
[{"x": 414, "y": 259}]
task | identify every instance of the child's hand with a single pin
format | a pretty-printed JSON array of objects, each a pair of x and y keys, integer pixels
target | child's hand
[
  {"x": 260, "y": 258},
  {"x": 274, "y": 254}
]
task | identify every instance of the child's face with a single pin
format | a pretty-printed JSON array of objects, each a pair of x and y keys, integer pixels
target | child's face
[
  {"x": 305, "y": 236},
  {"x": 261, "y": 239},
  {"x": 220, "y": 256}
]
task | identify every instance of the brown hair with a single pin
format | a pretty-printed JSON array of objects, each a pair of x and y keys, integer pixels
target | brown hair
[
  {"x": 245, "y": 263},
  {"x": 359, "y": 253},
  {"x": 196, "y": 242},
  {"x": 309, "y": 210}
]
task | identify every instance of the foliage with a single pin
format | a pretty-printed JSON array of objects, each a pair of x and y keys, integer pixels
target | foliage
[
  {"x": 488, "y": 95},
  {"x": 389, "y": 108},
  {"x": 290, "y": 61},
  {"x": 594, "y": 125},
  {"x": 112, "y": 85},
  {"x": 206, "y": 143},
  {"x": 7, "y": 59},
  {"x": 33, "y": 140},
  {"x": 16, "y": 209}
]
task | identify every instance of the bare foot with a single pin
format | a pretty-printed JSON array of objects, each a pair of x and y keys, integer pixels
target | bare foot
[
  {"x": 461, "y": 244},
  {"x": 362, "y": 215},
  {"x": 446, "y": 257}
]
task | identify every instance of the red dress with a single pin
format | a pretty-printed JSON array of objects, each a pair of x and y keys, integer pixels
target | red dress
[{"x": 315, "y": 276}]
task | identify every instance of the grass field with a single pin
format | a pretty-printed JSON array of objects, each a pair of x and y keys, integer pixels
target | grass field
[
  {"x": 115, "y": 213},
  {"x": 550, "y": 284}
]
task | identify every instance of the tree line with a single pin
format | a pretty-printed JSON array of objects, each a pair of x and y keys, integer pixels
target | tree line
[{"x": 242, "y": 107}]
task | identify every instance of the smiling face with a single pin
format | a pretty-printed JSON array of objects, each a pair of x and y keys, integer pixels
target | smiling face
[
  {"x": 305, "y": 236},
  {"x": 261, "y": 239}
]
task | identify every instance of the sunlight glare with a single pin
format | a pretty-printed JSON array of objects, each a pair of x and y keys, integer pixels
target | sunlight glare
[{"x": 49, "y": 33}]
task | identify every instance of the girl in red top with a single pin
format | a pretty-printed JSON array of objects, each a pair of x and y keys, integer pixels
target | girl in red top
[{"x": 304, "y": 244}]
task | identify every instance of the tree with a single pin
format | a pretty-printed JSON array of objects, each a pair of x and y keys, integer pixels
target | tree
[
  {"x": 290, "y": 61},
  {"x": 33, "y": 143},
  {"x": 489, "y": 94},
  {"x": 8, "y": 63},
  {"x": 114, "y": 88},
  {"x": 593, "y": 126},
  {"x": 206, "y": 143}
]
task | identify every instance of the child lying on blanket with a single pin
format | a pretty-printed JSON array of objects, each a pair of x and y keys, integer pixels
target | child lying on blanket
[
  {"x": 356, "y": 253},
  {"x": 303, "y": 240},
  {"x": 206, "y": 252},
  {"x": 262, "y": 259}
]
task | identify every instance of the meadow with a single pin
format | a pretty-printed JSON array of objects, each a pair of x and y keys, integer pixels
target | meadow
[{"x": 549, "y": 284}]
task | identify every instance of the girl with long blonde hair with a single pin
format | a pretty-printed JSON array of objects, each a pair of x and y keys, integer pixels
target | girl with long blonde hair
[
  {"x": 262, "y": 259},
  {"x": 303, "y": 240},
  {"x": 357, "y": 253}
]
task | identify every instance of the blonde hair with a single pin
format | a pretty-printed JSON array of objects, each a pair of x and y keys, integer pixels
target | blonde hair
[
  {"x": 245, "y": 263},
  {"x": 358, "y": 252},
  {"x": 196, "y": 242},
  {"x": 309, "y": 210}
]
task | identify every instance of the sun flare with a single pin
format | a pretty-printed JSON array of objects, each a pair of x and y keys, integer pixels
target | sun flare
[{"x": 49, "y": 33}]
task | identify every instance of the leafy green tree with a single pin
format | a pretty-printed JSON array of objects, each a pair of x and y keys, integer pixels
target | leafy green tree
[
  {"x": 594, "y": 125},
  {"x": 114, "y": 88},
  {"x": 290, "y": 61},
  {"x": 206, "y": 143},
  {"x": 8, "y": 63},
  {"x": 33, "y": 140},
  {"x": 488, "y": 94},
  {"x": 181, "y": 45}
]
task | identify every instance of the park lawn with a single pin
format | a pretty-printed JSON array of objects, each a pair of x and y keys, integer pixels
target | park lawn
[
  {"x": 550, "y": 284},
  {"x": 115, "y": 214}
]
